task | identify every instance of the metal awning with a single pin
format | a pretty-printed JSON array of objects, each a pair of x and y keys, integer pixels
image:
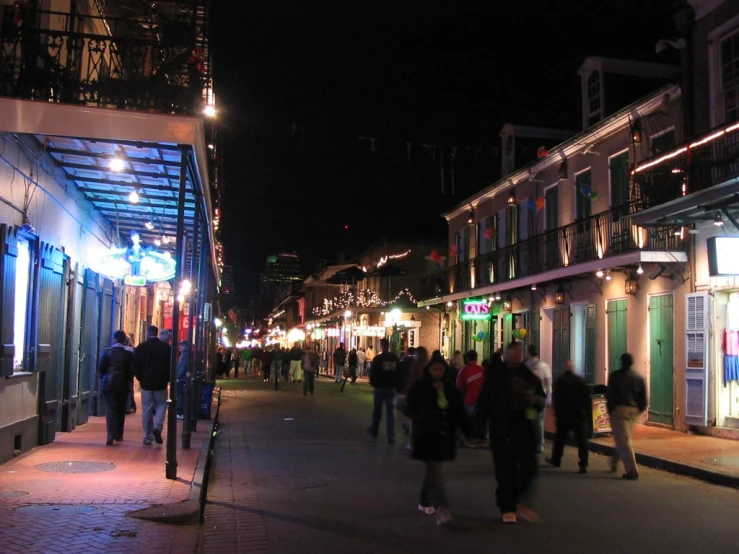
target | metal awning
[{"x": 152, "y": 152}]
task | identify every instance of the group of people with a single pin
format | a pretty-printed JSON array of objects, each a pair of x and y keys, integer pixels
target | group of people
[
  {"x": 502, "y": 400},
  {"x": 149, "y": 363}
]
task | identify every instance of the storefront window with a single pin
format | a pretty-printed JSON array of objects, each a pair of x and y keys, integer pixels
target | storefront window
[{"x": 22, "y": 280}]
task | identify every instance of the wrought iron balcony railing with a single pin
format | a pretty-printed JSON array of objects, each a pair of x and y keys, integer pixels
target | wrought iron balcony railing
[
  {"x": 694, "y": 166},
  {"x": 106, "y": 62},
  {"x": 597, "y": 237}
]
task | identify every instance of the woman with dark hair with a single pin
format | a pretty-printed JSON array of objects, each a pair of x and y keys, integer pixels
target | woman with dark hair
[{"x": 436, "y": 408}]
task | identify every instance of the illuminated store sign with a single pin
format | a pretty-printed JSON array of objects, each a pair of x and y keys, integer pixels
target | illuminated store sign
[
  {"x": 475, "y": 309},
  {"x": 148, "y": 264},
  {"x": 722, "y": 256},
  {"x": 134, "y": 280}
]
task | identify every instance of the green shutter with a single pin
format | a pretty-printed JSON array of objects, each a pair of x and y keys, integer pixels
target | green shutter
[
  {"x": 619, "y": 170},
  {"x": 591, "y": 341},
  {"x": 616, "y": 320}
]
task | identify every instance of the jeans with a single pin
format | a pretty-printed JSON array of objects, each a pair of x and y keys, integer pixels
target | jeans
[
  {"x": 152, "y": 415},
  {"x": 131, "y": 401},
  {"x": 181, "y": 397},
  {"x": 296, "y": 372},
  {"x": 309, "y": 379},
  {"x": 339, "y": 375},
  {"x": 433, "y": 489},
  {"x": 564, "y": 426},
  {"x": 384, "y": 396},
  {"x": 515, "y": 467},
  {"x": 539, "y": 431},
  {"x": 115, "y": 413}
]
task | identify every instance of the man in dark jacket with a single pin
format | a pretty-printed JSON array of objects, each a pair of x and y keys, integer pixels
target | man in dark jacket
[
  {"x": 116, "y": 372},
  {"x": 151, "y": 361},
  {"x": 511, "y": 399},
  {"x": 339, "y": 362},
  {"x": 571, "y": 400},
  {"x": 385, "y": 378},
  {"x": 182, "y": 377},
  {"x": 626, "y": 398}
]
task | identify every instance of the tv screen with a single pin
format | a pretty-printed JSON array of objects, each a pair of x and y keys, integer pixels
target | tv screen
[{"x": 723, "y": 256}]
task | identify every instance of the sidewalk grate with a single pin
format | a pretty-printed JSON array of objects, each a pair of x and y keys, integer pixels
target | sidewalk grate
[
  {"x": 60, "y": 509},
  {"x": 76, "y": 467}
]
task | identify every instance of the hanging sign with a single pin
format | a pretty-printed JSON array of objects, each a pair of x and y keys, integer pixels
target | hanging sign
[
  {"x": 134, "y": 280},
  {"x": 722, "y": 258},
  {"x": 366, "y": 331},
  {"x": 475, "y": 309}
]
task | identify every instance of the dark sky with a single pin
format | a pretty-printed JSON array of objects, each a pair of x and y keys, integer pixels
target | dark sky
[{"x": 446, "y": 73}]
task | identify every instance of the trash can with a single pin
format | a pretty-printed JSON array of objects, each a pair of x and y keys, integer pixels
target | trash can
[
  {"x": 600, "y": 423},
  {"x": 206, "y": 400}
]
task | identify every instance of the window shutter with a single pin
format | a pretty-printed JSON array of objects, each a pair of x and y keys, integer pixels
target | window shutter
[
  {"x": 696, "y": 372},
  {"x": 8, "y": 255},
  {"x": 523, "y": 221},
  {"x": 501, "y": 230}
]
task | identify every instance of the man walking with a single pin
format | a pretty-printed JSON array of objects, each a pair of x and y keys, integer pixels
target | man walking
[
  {"x": 626, "y": 398},
  {"x": 296, "y": 357},
  {"x": 469, "y": 382},
  {"x": 182, "y": 377},
  {"x": 385, "y": 378},
  {"x": 309, "y": 364},
  {"x": 542, "y": 370},
  {"x": 151, "y": 361},
  {"x": 339, "y": 362},
  {"x": 511, "y": 398},
  {"x": 571, "y": 401},
  {"x": 116, "y": 372}
]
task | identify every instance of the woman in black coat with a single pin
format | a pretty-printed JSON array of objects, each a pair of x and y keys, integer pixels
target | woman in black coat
[{"x": 436, "y": 408}]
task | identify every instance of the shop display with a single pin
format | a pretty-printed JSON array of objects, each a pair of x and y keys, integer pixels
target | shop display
[{"x": 730, "y": 343}]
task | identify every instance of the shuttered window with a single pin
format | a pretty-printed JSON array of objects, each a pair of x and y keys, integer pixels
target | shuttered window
[{"x": 696, "y": 356}]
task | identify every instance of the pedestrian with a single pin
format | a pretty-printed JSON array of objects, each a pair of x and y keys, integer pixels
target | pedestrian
[
  {"x": 361, "y": 360},
  {"x": 571, "y": 402},
  {"x": 626, "y": 399},
  {"x": 165, "y": 335},
  {"x": 456, "y": 365},
  {"x": 182, "y": 376},
  {"x": 510, "y": 398},
  {"x": 236, "y": 356},
  {"x": 369, "y": 357},
  {"x": 309, "y": 364},
  {"x": 385, "y": 380},
  {"x": 339, "y": 362},
  {"x": 131, "y": 402},
  {"x": 116, "y": 372},
  {"x": 437, "y": 411},
  {"x": 542, "y": 370},
  {"x": 296, "y": 356},
  {"x": 151, "y": 361},
  {"x": 469, "y": 382}
]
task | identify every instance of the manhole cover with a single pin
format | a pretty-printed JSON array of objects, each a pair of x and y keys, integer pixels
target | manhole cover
[
  {"x": 728, "y": 461},
  {"x": 12, "y": 494},
  {"x": 76, "y": 467},
  {"x": 61, "y": 509},
  {"x": 275, "y": 482}
]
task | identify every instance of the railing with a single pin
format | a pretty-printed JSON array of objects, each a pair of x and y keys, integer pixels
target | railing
[
  {"x": 597, "y": 237},
  {"x": 106, "y": 62},
  {"x": 707, "y": 161}
]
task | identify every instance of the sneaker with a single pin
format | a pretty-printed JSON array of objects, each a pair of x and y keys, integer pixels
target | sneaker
[
  {"x": 157, "y": 436},
  {"x": 509, "y": 517},
  {"x": 147, "y": 442},
  {"x": 429, "y": 510},
  {"x": 582, "y": 471},
  {"x": 527, "y": 514},
  {"x": 630, "y": 476},
  {"x": 552, "y": 462},
  {"x": 443, "y": 516}
]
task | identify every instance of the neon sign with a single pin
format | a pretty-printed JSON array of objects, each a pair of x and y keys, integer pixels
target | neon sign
[
  {"x": 134, "y": 280},
  {"x": 475, "y": 309},
  {"x": 151, "y": 265}
]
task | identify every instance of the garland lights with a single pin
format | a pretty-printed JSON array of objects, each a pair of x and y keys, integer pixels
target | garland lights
[{"x": 365, "y": 298}]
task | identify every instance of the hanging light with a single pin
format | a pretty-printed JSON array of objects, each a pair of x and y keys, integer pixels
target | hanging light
[
  {"x": 599, "y": 273},
  {"x": 209, "y": 110},
  {"x": 471, "y": 217},
  {"x": 134, "y": 197},
  {"x": 512, "y": 196},
  {"x": 636, "y": 132},
  {"x": 165, "y": 240},
  {"x": 497, "y": 296},
  {"x": 157, "y": 242},
  {"x": 639, "y": 270},
  {"x": 718, "y": 222},
  {"x": 608, "y": 276},
  {"x": 116, "y": 164},
  {"x": 149, "y": 225},
  {"x": 533, "y": 287}
]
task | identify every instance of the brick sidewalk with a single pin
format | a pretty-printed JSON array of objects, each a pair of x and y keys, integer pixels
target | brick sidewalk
[{"x": 46, "y": 511}]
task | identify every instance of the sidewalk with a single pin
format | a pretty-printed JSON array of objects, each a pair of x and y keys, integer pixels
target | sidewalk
[
  {"x": 711, "y": 459},
  {"x": 109, "y": 490}
]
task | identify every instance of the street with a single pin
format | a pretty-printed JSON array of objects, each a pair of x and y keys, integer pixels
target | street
[{"x": 298, "y": 474}]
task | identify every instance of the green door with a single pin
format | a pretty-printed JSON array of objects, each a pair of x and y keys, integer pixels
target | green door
[
  {"x": 591, "y": 342},
  {"x": 507, "y": 330},
  {"x": 616, "y": 322},
  {"x": 660, "y": 359},
  {"x": 560, "y": 340}
]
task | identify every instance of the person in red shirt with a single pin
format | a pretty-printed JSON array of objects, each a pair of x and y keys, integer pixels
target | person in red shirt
[{"x": 469, "y": 381}]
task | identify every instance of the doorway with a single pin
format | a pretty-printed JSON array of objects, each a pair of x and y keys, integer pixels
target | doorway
[
  {"x": 545, "y": 334},
  {"x": 583, "y": 340},
  {"x": 660, "y": 359},
  {"x": 616, "y": 329}
]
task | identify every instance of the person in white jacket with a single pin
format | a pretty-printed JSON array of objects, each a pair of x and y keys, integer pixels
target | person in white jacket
[{"x": 542, "y": 370}]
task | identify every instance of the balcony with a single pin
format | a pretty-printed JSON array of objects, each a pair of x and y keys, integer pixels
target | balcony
[
  {"x": 136, "y": 64},
  {"x": 595, "y": 239},
  {"x": 709, "y": 161}
]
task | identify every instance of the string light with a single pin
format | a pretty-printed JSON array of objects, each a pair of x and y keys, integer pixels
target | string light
[{"x": 365, "y": 298}]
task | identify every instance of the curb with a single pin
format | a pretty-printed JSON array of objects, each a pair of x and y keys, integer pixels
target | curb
[
  {"x": 671, "y": 466},
  {"x": 190, "y": 510}
]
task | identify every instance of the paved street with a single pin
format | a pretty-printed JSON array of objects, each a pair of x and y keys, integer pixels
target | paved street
[{"x": 298, "y": 474}]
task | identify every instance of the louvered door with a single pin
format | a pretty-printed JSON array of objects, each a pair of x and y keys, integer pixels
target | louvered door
[{"x": 696, "y": 356}]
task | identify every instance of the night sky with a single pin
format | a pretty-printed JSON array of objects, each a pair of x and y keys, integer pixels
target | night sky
[{"x": 298, "y": 82}]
